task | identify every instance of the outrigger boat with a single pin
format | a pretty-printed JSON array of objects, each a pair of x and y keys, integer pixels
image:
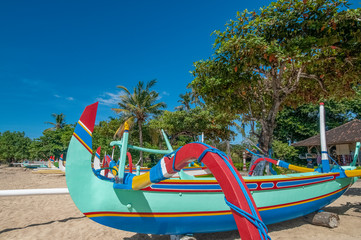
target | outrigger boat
[
  {"x": 33, "y": 165},
  {"x": 51, "y": 168},
  {"x": 193, "y": 171},
  {"x": 154, "y": 203}
]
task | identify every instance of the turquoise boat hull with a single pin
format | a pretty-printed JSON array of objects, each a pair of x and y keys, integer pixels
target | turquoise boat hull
[
  {"x": 177, "y": 206},
  {"x": 193, "y": 206}
]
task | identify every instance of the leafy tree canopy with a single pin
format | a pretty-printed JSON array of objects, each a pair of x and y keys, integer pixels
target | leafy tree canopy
[
  {"x": 51, "y": 143},
  {"x": 193, "y": 122},
  {"x": 14, "y": 146},
  {"x": 296, "y": 124},
  {"x": 289, "y": 53}
]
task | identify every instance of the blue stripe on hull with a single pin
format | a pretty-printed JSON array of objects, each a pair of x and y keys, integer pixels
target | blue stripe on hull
[
  {"x": 170, "y": 225},
  {"x": 203, "y": 224},
  {"x": 302, "y": 182},
  {"x": 187, "y": 187}
]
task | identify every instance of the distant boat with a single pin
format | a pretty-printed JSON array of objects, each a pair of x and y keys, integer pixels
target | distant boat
[
  {"x": 34, "y": 164},
  {"x": 61, "y": 164},
  {"x": 51, "y": 168}
]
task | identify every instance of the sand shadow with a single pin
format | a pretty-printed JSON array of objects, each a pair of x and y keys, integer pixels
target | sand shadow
[
  {"x": 297, "y": 222},
  {"x": 230, "y": 235},
  {"x": 341, "y": 210},
  {"x": 353, "y": 192},
  {"x": 286, "y": 225},
  {"x": 141, "y": 236},
  {"x": 40, "y": 224}
]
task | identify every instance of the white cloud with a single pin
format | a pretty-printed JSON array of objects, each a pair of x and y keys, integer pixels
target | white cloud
[
  {"x": 162, "y": 94},
  {"x": 67, "y": 98},
  {"x": 109, "y": 99}
]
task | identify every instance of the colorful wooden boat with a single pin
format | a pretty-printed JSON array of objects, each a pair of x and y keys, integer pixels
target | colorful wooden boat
[
  {"x": 151, "y": 203},
  {"x": 33, "y": 165},
  {"x": 51, "y": 168}
]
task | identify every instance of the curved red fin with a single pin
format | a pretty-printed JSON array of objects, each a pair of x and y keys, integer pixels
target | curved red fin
[
  {"x": 88, "y": 116},
  {"x": 228, "y": 178}
]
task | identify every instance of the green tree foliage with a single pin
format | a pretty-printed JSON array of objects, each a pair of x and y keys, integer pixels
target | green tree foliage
[
  {"x": 14, "y": 146},
  {"x": 103, "y": 133},
  {"x": 192, "y": 123},
  {"x": 140, "y": 105},
  {"x": 289, "y": 53},
  {"x": 51, "y": 143},
  {"x": 296, "y": 124},
  {"x": 283, "y": 150}
]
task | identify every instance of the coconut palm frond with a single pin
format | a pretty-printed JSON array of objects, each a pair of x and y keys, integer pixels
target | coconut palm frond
[
  {"x": 141, "y": 104},
  {"x": 124, "y": 89},
  {"x": 59, "y": 121},
  {"x": 119, "y": 110},
  {"x": 120, "y": 130}
]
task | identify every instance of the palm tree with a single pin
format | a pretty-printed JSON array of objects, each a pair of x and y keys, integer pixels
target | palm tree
[
  {"x": 59, "y": 122},
  {"x": 139, "y": 105},
  {"x": 186, "y": 100}
]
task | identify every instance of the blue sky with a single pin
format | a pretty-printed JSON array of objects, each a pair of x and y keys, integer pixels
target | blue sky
[{"x": 59, "y": 56}]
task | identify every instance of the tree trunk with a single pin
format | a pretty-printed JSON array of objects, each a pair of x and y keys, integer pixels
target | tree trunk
[
  {"x": 140, "y": 142},
  {"x": 266, "y": 140},
  {"x": 228, "y": 148},
  {"x": 268, "y": 126},
  {"x": 266, "y": 136}
]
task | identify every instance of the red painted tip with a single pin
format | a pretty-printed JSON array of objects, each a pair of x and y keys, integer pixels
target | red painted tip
[
  {"x": 88, "y": 116},
  {"x": 98, "y": 150},
  {"x": 321, "y": 103}
]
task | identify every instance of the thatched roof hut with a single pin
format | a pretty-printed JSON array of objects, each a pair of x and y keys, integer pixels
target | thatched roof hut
[
  {"x": 341, "y": 141},
  {"x": 347, "y": 133}
]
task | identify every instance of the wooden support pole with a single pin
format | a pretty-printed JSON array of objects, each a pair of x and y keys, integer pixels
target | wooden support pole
[
  {"x": 244, "y": 161},
  {"x": 325, "y": 219}
]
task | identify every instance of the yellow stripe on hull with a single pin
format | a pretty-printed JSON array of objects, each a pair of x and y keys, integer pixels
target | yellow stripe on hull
[
  {"x": 302, "y": 202},
  {"x": 158, "y": 215}
]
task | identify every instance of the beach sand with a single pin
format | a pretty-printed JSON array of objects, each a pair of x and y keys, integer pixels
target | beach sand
[{"x": 56, "y": 216}]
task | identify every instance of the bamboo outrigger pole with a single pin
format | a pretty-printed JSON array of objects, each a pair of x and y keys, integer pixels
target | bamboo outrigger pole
[{"x": 28, "y": 192}]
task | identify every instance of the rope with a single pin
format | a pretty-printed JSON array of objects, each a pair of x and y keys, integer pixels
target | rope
[
  {"x": 335, "y": 162},
  {"x": 255, "y": 221},
  {"x": 253, "y": 218},
  {"x": 138, "y": 162},
  {"x": 257, "y": 155},
  {"x": 175, "y": 154}
]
